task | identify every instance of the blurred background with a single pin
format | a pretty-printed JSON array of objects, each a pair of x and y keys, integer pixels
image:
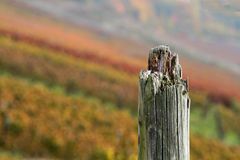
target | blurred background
[{"x": 69, "y": 75}]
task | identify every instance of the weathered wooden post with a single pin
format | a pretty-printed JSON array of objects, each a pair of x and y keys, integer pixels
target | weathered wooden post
[{"x": 163, "y": 109}]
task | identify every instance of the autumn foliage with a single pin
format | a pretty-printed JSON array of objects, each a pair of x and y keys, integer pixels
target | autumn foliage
[{"x": 61, "y": 98}]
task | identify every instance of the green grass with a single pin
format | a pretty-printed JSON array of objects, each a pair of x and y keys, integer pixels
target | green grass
[
  {"x": 232, "y": 138},
  {"x": 204, "y": 123},
  {"x": 6, "y": 155}
]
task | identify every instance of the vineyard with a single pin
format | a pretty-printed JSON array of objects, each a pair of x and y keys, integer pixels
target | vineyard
[{"x": 62, "y": 98}]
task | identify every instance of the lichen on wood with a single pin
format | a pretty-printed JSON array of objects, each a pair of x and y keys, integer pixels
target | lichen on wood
[{"x": 163, "y": 108}]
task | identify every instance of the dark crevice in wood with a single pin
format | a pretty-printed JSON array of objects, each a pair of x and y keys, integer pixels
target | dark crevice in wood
[
  {"x": 155, "y": 107},
  {"x": 162, "y": 130},
  {"x": 177, "y": 123},
  {"x": 167, "y": 132}
]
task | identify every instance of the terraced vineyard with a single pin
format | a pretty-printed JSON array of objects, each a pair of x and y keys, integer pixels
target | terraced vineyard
[
  {"x": 54, "y": 105},
  {"x": 56, "y": 125}
]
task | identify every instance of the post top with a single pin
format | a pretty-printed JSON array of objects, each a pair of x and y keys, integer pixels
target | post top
[
  {"x": 162, "y": 60},
  {"x": 163, "y": 68}
]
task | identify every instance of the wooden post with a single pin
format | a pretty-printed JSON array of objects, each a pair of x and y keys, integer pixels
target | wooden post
[{"x": 163, "y": 109}]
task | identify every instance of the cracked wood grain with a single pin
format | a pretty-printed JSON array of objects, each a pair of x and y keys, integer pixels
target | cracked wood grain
[{"x": 163, "y": 108}]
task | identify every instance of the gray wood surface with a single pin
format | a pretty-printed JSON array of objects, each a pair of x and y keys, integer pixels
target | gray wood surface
[{"x": 163, "y": 110}]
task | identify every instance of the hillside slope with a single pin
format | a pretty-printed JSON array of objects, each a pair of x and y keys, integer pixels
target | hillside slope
[
  {"x": 60, "y": 97},
  {"x": 91, "y": 45}
]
